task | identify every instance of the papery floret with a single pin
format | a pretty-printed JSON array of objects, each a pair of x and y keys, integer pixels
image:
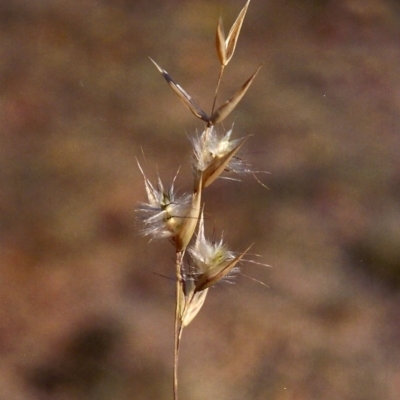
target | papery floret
[
  {"x": 209, "y": 146},
  {"x": 165, "y": 212},
  {"x": 213, "y": 154},
  {"x": 209, "y": 255}
]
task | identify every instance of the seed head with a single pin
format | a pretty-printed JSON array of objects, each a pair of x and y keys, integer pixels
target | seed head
[
  {"x": 214, "y": 153},
  {"x": 165, "y": 212},
  {"x": 207, "y": 255},
  {"x": 213, "y": 261}
]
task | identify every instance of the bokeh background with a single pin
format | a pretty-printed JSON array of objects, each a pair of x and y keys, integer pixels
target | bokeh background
[{"x": 86, "y": 306}]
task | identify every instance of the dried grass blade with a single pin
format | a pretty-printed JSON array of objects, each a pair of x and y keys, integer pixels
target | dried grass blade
[
  {"x": 220, "y": 42},
  {"x": 225, "y": 109},
  {"x": 186, "y": 98},
  {"x": 214, "y": 275},
  {"x": 234, "y": 32}
]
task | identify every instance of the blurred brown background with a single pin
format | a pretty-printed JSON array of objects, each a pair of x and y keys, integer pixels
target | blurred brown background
[{"x": 83, "y": 314}]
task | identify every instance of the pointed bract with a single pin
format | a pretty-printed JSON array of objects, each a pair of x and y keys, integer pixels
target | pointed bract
[
  {"x": 220, "y": 42},
  {"x": 193, "y": 301},
  {"x": 233, "y": 35},
  {"x": 188, "y": 226},
  {"x": 216, "y": 168},
  {"x": 186, "y": 99},
  {"x": 226, "y": 47},
  {"x": 225, "y": 109}
]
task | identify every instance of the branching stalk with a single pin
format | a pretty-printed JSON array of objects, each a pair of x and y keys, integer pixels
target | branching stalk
[{"x": 168, "y": 215}]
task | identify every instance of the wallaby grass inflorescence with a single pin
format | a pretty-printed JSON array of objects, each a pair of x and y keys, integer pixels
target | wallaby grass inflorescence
[{"x": 169, "y": 215}]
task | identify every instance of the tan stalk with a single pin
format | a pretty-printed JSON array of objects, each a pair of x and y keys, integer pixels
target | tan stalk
[
  {"x": 205, "y": 138},
  {"x": 181, "y": 242},
  {"x": 221, "y": 72},
  {"x": 178, "y": 324}
]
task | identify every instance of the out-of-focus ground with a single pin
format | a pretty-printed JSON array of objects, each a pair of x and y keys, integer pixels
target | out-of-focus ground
[{"x": 84, "y": 312}]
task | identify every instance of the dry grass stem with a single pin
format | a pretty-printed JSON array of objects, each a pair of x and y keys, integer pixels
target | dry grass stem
[{"x": 167, "y": 215}]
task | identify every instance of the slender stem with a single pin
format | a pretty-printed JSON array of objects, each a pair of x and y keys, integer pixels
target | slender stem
[
  {"x": 178, "y": 324},
  {"x": 221, "y": 71}
]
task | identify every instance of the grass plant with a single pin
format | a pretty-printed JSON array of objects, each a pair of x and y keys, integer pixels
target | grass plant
[{"x": 199, "y": 262}]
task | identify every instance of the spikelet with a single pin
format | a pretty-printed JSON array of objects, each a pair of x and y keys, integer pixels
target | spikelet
[{"x": 226, "y": 47}]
